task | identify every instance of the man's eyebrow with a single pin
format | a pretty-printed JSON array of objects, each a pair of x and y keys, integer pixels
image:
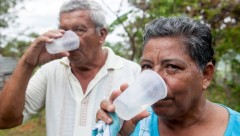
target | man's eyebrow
[{"x": 145, "y": 60}]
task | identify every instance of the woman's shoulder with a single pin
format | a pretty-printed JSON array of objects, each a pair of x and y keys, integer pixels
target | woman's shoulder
[
  {"x": 231, "y": 111},
  {"x": 233, "y": 127}
]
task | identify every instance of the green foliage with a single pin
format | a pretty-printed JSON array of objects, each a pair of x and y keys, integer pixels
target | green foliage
[
  {"x": 34, "y": 127},
  {"x": 6, "y": 15},
  {"x": 118, "y": 49},
  {"x": 4, "y": 7},
  {"x": 15, "y": 48},
  {"x": 225, "y": 92},
  {"x": 120, "y": 20}
]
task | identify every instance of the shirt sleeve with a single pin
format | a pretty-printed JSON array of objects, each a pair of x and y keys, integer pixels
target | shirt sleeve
[{"x": 35, "y": 94}]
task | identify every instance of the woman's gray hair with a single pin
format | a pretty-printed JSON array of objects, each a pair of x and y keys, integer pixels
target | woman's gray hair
[
  {"x": 195, "y": 35},
  {"x": 97, "y": 14}
]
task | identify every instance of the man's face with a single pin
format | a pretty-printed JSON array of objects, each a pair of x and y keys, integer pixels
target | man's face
[
  {"x": 90, "y": 41},
  {"x": 167, "y": 56}
]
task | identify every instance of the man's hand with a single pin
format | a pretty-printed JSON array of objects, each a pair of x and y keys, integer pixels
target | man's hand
[{"x": 37, "y": 54}]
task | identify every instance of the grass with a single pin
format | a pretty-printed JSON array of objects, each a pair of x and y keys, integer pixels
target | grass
[{"x": 33, "y": 127}]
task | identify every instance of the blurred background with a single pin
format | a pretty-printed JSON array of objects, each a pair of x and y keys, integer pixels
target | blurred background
[{"x": 21, "y": 21}]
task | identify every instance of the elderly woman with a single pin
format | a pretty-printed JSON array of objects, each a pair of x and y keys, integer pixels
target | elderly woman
[{"x": 180, "y": 50}]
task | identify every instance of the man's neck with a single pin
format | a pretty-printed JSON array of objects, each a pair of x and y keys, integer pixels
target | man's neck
[
  {"x": 85, "y": 73},
  {"x": 96, "y": 62}
]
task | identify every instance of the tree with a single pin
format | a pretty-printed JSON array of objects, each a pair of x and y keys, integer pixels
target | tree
[
  {"x": 7, "y": 16},
  {"x": 15, "y": 48}
]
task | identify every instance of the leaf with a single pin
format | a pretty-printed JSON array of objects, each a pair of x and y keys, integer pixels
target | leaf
[{"x": 120, "y": 20}]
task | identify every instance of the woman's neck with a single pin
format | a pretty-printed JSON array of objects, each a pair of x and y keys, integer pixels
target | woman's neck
[{"x": 197, "y": 116}]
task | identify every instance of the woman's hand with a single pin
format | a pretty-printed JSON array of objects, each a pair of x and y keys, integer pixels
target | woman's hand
[{"x": 107, "y": 106}]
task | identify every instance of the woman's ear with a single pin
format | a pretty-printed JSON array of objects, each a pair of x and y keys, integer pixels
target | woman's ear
[
  {"x": 103, "y": 34},
  {"x": 208, "y": 73}
]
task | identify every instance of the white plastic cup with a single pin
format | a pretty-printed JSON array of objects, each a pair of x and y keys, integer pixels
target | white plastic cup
[
  {"x": 146, "y": 90},
  {"x": 68, "y": 42}
]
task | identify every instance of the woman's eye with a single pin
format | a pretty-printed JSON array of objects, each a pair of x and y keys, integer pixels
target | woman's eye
[
  {"x": 144, "y": 67},
  {"x": 172, "y": 69}
]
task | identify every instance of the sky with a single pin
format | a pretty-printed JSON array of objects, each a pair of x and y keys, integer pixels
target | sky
[{"x": 42, "y": 15}]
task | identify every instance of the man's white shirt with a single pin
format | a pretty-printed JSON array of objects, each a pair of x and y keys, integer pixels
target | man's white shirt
[{"x": 69, "y": 112}]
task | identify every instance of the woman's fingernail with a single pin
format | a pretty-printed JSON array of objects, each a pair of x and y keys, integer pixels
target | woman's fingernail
[
  {"x": 109, "y": 120},
  {"x": 110, "y": 108}
]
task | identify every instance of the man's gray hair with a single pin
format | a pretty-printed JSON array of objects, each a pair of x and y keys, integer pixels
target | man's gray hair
[
  {"x": 195, "y": 35},
  {"x": 97, "y": 14}
]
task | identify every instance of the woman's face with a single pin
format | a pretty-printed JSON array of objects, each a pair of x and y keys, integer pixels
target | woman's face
[{"x": 168, "y": 57}]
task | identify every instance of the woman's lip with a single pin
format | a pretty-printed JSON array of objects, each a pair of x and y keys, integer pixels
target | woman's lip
[
  {"x": 164, "y": 102},
  {"x": 167, "y": 98}
]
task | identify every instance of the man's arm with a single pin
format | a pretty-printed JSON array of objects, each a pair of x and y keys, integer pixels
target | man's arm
[{"x": 12, "y": 97}]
